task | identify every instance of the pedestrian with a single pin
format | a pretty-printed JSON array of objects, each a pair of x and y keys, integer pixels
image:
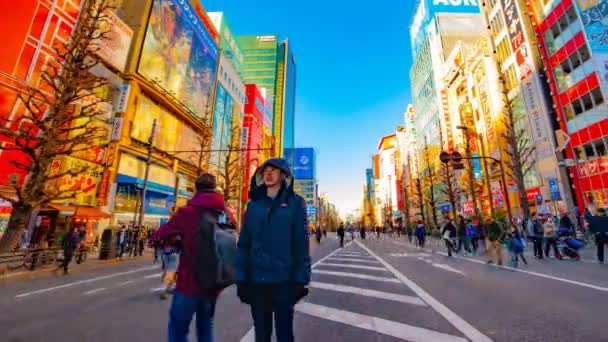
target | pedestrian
[
  {"x": 351, "y": 231},
  {"x": 363, "y": 232},
  {"x": 123, "y": 237},
  {"x": 341, "y": 234},
  {"x": 462, "y": 234},
  {"x": 325, "y": 233},
  {"x": 378, "y": 232},
  {"x": 408, "y": 231},
  {"x": 550, "y": 235},
  {"x": 481, "y": 228},
  {"x": 597, "y": 226},
  {"x": 535, "y": 232},
  {"x": 272, "y": 277},
  {"x": 318, "y": 234},
  {"x": 198, "y": 270},
  {"x": 566, "y": 222},
  {"x": 170, "y": 253},
  {"x": 471, "y": 237},
  {"x": 71, "y": 242},
  {"x": 516, "y": 246},
  {"x": 420, "y": 234},
  {"x": 495, "y": 233},
  {"x": 448, "y": 232}
]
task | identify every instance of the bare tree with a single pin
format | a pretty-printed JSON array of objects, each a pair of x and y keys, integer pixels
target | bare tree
[
  {"x": 449, "y": 178},
  {"x": 61, "y": 117},
  {"x": 519, "y": 150},
  {"x": 430, "y": 182},
  {"x": 231, "y": 172},
  {"x": 419, "y": 191}
]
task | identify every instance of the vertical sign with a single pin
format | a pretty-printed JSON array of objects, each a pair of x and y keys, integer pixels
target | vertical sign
[{"x": 517, "y": 37}]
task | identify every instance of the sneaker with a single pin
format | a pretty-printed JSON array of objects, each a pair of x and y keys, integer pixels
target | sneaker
[{"x": 164, "y": 296}]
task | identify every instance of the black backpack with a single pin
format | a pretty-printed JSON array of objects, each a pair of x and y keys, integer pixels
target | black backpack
[{"x": 215, "y": 262}]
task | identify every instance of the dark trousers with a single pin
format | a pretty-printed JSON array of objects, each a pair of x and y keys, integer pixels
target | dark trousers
[
  {"x": 183, "y": 309},
  {"x": 121, "y": 249},
  {"x": 538, "y": 246},
  {"x": 551, "y": 242},
  {"x": 273, "y": 302},
  {"x": 449, "y": 246},
  {"x": 600, "y": 249},
  {"x": 475, "y": 243},
  {"x": 341, "y": 240},
  {"x": 461, "y": 243},
  {"x": 67, "y": 258}
]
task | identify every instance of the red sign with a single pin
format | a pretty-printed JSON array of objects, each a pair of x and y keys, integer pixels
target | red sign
[
  {"x": 532, "y": 193},
  {"x": 102, "y": 196}
]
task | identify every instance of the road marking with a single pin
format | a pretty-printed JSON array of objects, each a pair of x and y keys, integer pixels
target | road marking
[
  {"x": 368, "y": 293},
  {"x": 155, "y": 275},
  {"x": 459, "y": 323},
  {"x": 86, "y": 281},
  {"x": 375, "y": 324},
  {"x": 542, "y": 275},
  {"x": 356, "y": 266},
  {"x": 126, "y": 282},
  {"x": 448, "y": 268},
  {"x": 156, "y": 289},
  {"x": 358, "y": 276},
  {"x": 95, "y": 291},
  {"x": 346, "y": 255},
  {"x": 354, "y": 260}
]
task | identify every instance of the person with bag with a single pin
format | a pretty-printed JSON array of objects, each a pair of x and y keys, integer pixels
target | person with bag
[
  {"x": 536, "y": 232},
  {"x": 550, "y": 237},
  {"x": 207, "y": 261},
  {"x": 273, "y": 267},
  {"x": 420, "y": 234},
  {"x": 495, "y": 233},
  {"x": 516, "y": 246},
  {"x": 449, "y": 233}
]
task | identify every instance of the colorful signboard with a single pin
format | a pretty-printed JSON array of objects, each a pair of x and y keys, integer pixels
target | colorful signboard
[
  {"x": 81, "y": 187},
  {"x": 594, "y": 15},
  {"x": 180, "y": 55},
  {"x": 369, "y": 181},
  {"x": 114, "y": 48},
  {"x": 517, "y": 37},
  {"x": 229, "y": 43}
]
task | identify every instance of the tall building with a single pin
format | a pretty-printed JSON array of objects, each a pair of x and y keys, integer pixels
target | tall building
[
  {"x": 386, "y": 188},
  {"x": 305, "y": 183},
  {"x": 229, "y": 44},
  {"x": 271, "y": 66},
  {"x": 575, "y": 54},
  {"x": 252, "y": 133},
  {"x": 435, "y": 28},
  {"x": 516, "y": 48}
]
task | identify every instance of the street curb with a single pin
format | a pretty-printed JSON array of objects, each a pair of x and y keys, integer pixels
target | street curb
[{"x": 51, "y": 271}]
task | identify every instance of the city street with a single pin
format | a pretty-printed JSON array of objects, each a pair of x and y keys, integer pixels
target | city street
[{"x": 378, "y": 290}]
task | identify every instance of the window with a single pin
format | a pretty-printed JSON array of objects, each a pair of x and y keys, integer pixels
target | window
[
  {"x": 589, "y": 151},
  {"x": 563, "y": 22},
  {"x": 503, "y": 50},
  {"x": 596, "y": 94},
  {"x": 565, "y": 64},
  {"x": 580, "y": 153},
  {"x": 577, "y": 106},
  {"x": 576, "y": 59},
  {"x": 600, "y": 148},
  {"x": 587, "y": 101},
  {"x": 568, "y": 112}
]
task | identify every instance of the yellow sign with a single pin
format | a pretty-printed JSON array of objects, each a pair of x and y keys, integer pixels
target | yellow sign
[{"x": 81, "y": 185}]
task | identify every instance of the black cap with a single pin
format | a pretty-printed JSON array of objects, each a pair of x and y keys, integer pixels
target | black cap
[{"x": 206, "y": 182}]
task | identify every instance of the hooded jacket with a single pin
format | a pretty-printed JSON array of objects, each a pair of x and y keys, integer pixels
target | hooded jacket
[
  {"x": 186, "y": 222},
  {"x": 273, "y": 245}
]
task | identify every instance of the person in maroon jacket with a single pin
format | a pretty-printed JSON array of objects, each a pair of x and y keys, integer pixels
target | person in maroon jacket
[{"x": 189, "y": 298}]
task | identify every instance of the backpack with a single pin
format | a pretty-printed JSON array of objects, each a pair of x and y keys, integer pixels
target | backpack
[
  {"x": 215, "y": 262},
  {"x": 472, "y": 230}
]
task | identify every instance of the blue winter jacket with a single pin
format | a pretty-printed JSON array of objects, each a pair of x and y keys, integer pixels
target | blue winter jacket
[{"x": 273, "y": 245}]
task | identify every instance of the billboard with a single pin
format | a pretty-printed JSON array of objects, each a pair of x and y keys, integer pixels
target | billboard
[
  {"x": 114, "y": 49},
  {"x": 226, "y": 110},
  {"x": 369, "y": 181},
  {"x": 304, "y": 162},
  {"x": 180, "y": 55},
  {"x": 594, "y": 15}
]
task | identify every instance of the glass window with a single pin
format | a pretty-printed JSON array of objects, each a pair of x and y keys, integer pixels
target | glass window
[
  {"x": 568, "y": 112},
  {"x": 563, "y": 23},
  {"x": 589, "y": 151},
  {"x": 600, "y": 148},
  {"x": 565, "y": 64},
  {"x": 555, "y": 30},
  {"x": 577, "y": 106},
  {"x": 584, "y": 53},
  {"x": 587, "y": 102},
  {"x": 596, "y": 94},
  {"x": 574, "y": 60},
  {"x": 580, "y": 153},
  {"x": 571, "y": 14}
]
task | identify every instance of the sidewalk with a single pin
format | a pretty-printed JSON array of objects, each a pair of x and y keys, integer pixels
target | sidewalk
[{"x": 91, "y": 263}]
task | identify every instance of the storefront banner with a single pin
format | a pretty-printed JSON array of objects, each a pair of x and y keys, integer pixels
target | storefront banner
[
  {"x": 134, "y": 167},
  {"x": 81, "y": 187},
  {"x": 104, "y": 188},
  {"x": 532, "y": 194},
  {"x": 594, "y": 15},
  {"x": 114, "y": 48},
  {"x": 517, "y": 37},
  {"x": 536, "y": 116}
]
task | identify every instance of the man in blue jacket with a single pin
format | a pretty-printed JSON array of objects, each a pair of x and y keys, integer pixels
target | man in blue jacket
[{"x": 273, "y": 260}]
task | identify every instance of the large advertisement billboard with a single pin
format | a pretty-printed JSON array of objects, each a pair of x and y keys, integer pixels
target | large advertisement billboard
[
  {"x": 226, "y": 110},
  {"x": 180, "y": 55},
  {"x": 304, "y": 163}
]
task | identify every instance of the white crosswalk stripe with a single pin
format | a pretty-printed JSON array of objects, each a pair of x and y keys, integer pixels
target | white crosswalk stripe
[
  {"x": 358, "y": 276},
  {"x": 368, "y": 293},
  {"x": 366, "y": 261},
  {"x": 361, "y": 267}
]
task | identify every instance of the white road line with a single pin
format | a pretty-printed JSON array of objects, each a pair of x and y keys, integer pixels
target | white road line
[
  {"x": 95, "y": 291},
  {"x": 448, "y": 268},
  {"x": 368, "y": 293},
  {"x": 354, "y": 260},
  {"x": 155, "y": 275},
  {"x": 85, "y": 281},
  {"x": 126, "y": 282},
  {"x": 375, "y": 324},
  {"x": 346, "y": 256},
  {"x": 459, "y": 323},
  {"x": 250, "y": 335},
  {"x": 358, "y": 276},
  {"x": 542, "y": 275},
  {"x": 156, "y": 289},
  {"x": 361, "y": 267}
]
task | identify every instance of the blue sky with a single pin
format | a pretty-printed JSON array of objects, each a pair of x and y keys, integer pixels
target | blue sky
[{"x": 352, "y": 88}]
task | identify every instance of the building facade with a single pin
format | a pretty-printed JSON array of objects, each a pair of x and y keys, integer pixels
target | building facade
[
  {"x": 575, "y": 57},
  {"x": 285, "y": 99},
  {"x": 252, "y": 133}
]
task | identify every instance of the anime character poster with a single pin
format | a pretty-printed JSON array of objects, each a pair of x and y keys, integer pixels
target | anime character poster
[{"x": 180, "y": 56}]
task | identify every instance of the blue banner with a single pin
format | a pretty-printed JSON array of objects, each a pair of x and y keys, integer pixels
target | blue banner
[
  {"x": 554, "y": 189},
  {"x": 304, "y": 163}
]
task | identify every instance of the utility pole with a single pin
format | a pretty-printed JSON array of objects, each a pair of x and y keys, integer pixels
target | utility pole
[{"x": 142, "y": 210}]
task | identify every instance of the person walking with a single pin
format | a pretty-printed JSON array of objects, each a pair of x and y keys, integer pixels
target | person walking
[
  {"x": 597, "y": 226},
  {"x": 535, "y": 232},
  {"x": 71, "y": 241},
  {"x": 194, "y": 292},
  {"x": 409, "y": 232},
  {"x": 448, "y": 232},
  {"x": 363, "y": 232},
  {"x": 495, "y": 233},
  {"x": 550, "y": 233},
  {"x": 420, "y": 234},
  {"x": 516, "y": 245},
  {"x": 462, "y": 235},
  {"x": 341, "y": 233},
  {"x": 471, "y": 238},
  {"x": 272, "y": 277},
  {"x": 318, "y": 235},
  {"x": 123, "y": 237}
]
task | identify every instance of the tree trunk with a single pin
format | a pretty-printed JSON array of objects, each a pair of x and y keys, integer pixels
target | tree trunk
[{"x": 16, "y": 226}]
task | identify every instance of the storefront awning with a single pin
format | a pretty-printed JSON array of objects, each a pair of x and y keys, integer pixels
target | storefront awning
[{"x": 80, "y": 212}]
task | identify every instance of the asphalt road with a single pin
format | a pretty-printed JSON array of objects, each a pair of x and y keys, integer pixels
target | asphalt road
[{"x": 377, "y": 290}]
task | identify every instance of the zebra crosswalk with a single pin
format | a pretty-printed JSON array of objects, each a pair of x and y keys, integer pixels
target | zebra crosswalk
[{"x": 354, "y": 288}]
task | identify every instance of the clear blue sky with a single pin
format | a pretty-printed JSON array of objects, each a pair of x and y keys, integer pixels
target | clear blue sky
[{"x": 353, "y": 86}]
